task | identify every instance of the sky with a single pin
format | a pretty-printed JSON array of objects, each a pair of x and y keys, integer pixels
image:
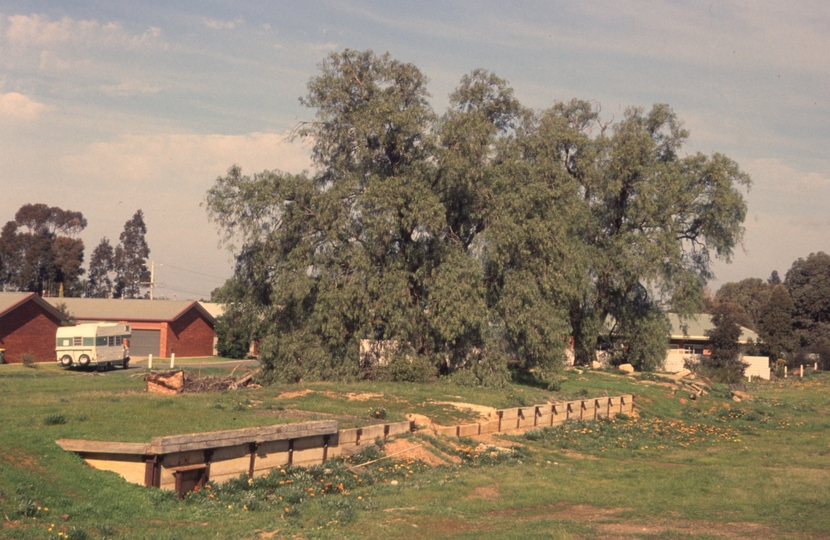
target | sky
[{"x": 107, "y": 107}]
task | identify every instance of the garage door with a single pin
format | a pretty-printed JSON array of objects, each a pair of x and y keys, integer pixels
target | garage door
[{"x": 145, "y": 342}]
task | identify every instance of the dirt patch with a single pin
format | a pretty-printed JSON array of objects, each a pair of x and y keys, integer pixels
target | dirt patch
[
  {"x": 419, "y": 419},
  {"x": 362, "y": 396},
  {"x": 302, "y": 415},
  {"x": 17, "y": 458},
  {"x": 577, "y": 455},
  {"x": 410, "y": 449},
  {"x": 294, "y": 393},
  {"x": 487, "y": 493},
  {"x": 609, "y": 525},
  {"x": 484, "y": 412}
]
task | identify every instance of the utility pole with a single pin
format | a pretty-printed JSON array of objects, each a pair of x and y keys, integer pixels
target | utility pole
[{"x": 152, "y": 282}]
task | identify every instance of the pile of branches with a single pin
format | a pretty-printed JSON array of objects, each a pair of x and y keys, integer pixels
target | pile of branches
[{"x": 217, "y": 384}]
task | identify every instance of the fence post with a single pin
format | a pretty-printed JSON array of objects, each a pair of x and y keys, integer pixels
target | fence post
[
  {"x": 785, "y": 372},
  {"x": 150, "y": 362},
  {"x": 172, "y": 360},
  {"x": 802, "y": 371}
]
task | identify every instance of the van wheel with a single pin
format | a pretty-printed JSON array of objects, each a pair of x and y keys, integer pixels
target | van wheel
[
  {"x": 83, "y": 360},
  {"x": 66, "y": 360}
]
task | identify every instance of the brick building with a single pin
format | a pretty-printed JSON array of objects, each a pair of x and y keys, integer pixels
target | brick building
[
  {"x": 28, "y": 324},
  {"x": 159, "y": 327}
]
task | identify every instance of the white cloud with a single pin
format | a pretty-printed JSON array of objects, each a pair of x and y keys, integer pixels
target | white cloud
[
  {"x": 38, "y": 31},
  {"x": 324, "y": 47},
  {"x": 224, "y": 25},
  {"x": 19, "y": 107},
  {"x": 777, "y": 176},
  {"x": 186, "y": 159},
  {"x": 130, "y": 88}
]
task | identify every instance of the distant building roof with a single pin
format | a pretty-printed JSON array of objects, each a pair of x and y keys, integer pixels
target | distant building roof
[
  {"x": 11, "y": 300},
  {"x": 109, "y": 309},
  {"x": 695, "y": 327},
  {"x": 213, "y": 308}
]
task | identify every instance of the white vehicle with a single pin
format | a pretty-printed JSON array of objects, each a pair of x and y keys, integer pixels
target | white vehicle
[{"x": 94, "y": 344}]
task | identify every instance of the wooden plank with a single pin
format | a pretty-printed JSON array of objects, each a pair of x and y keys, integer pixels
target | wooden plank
[
  {"x": 218, "y": 439},
  {"x": 103, "y": 447},
  {"x": 370, "y": 433},
  {"x": 400, "y": 428},
  {"x": 347, "y": 436}
]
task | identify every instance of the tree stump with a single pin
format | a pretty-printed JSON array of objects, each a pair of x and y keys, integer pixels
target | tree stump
[{"x": 165, "y": 382}]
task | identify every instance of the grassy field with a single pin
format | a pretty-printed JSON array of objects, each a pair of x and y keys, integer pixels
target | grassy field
[{"x": 681, "y": 468}]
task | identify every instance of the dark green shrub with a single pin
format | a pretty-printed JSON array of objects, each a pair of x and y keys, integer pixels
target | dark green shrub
[{"x": 54, "y": 419}]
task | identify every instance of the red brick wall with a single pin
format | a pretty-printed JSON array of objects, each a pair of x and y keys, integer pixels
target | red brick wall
[
  {"x": 28, "y": 328},
  {"x": 189, "y": 335}
]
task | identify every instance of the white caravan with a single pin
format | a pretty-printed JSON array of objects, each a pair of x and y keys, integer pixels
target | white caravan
[{"x": 93, "y": 344}]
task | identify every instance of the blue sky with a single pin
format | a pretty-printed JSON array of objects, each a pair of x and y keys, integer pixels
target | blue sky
[{"x": 107, "y": 107}]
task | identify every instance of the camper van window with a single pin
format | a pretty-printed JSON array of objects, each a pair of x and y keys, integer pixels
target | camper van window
[
  {"x": 112, "y": 341},
  {"x": 100, "y": 341},
  {"x": 77, "y": 342},
  {"x": 89, "y": 342},
  {"x": 118, "y": 340}
]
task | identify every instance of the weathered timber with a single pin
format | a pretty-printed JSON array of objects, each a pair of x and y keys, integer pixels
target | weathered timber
[
  {"x": 103, "y": 447},
  {"x": 217, "y": 439},
  {"x": 165, "y": 382}
]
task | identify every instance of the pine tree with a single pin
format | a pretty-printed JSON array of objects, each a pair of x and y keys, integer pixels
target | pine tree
[
  {"x": 775, "y": 327},
  {"x": 99, "y": 283},
  {"x": 130, "y": 259}
]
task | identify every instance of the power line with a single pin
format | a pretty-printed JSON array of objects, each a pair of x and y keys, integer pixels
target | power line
[{"x": 191, "y": 271}]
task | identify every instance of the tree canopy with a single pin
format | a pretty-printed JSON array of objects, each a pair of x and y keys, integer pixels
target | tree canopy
[
  {"x": 752, "y": 294},
  {"x": 808, "y": 282},
  {"x": 39, "y": 251},
  {"x": 474, "y": 240}
]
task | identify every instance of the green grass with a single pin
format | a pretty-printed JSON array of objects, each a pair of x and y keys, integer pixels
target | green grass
[{"x": 682, "y": 469}]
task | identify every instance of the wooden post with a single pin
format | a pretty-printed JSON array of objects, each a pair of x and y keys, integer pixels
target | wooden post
[
  {"x": 785, "y": 372},
  {"x": 152, "y": 471},
  {"x": 802, "y": 371},
  {"x": 326, "y": 439},
  {"x": 253, "y": 448},
  {"x": 172, "y": 360},
  {"x": 150, "y": 362}
]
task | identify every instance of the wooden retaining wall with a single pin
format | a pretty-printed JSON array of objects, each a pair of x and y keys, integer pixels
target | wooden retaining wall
[
  {"x": 539, "y": 416},
  {"x": 182, "y": 462}
]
